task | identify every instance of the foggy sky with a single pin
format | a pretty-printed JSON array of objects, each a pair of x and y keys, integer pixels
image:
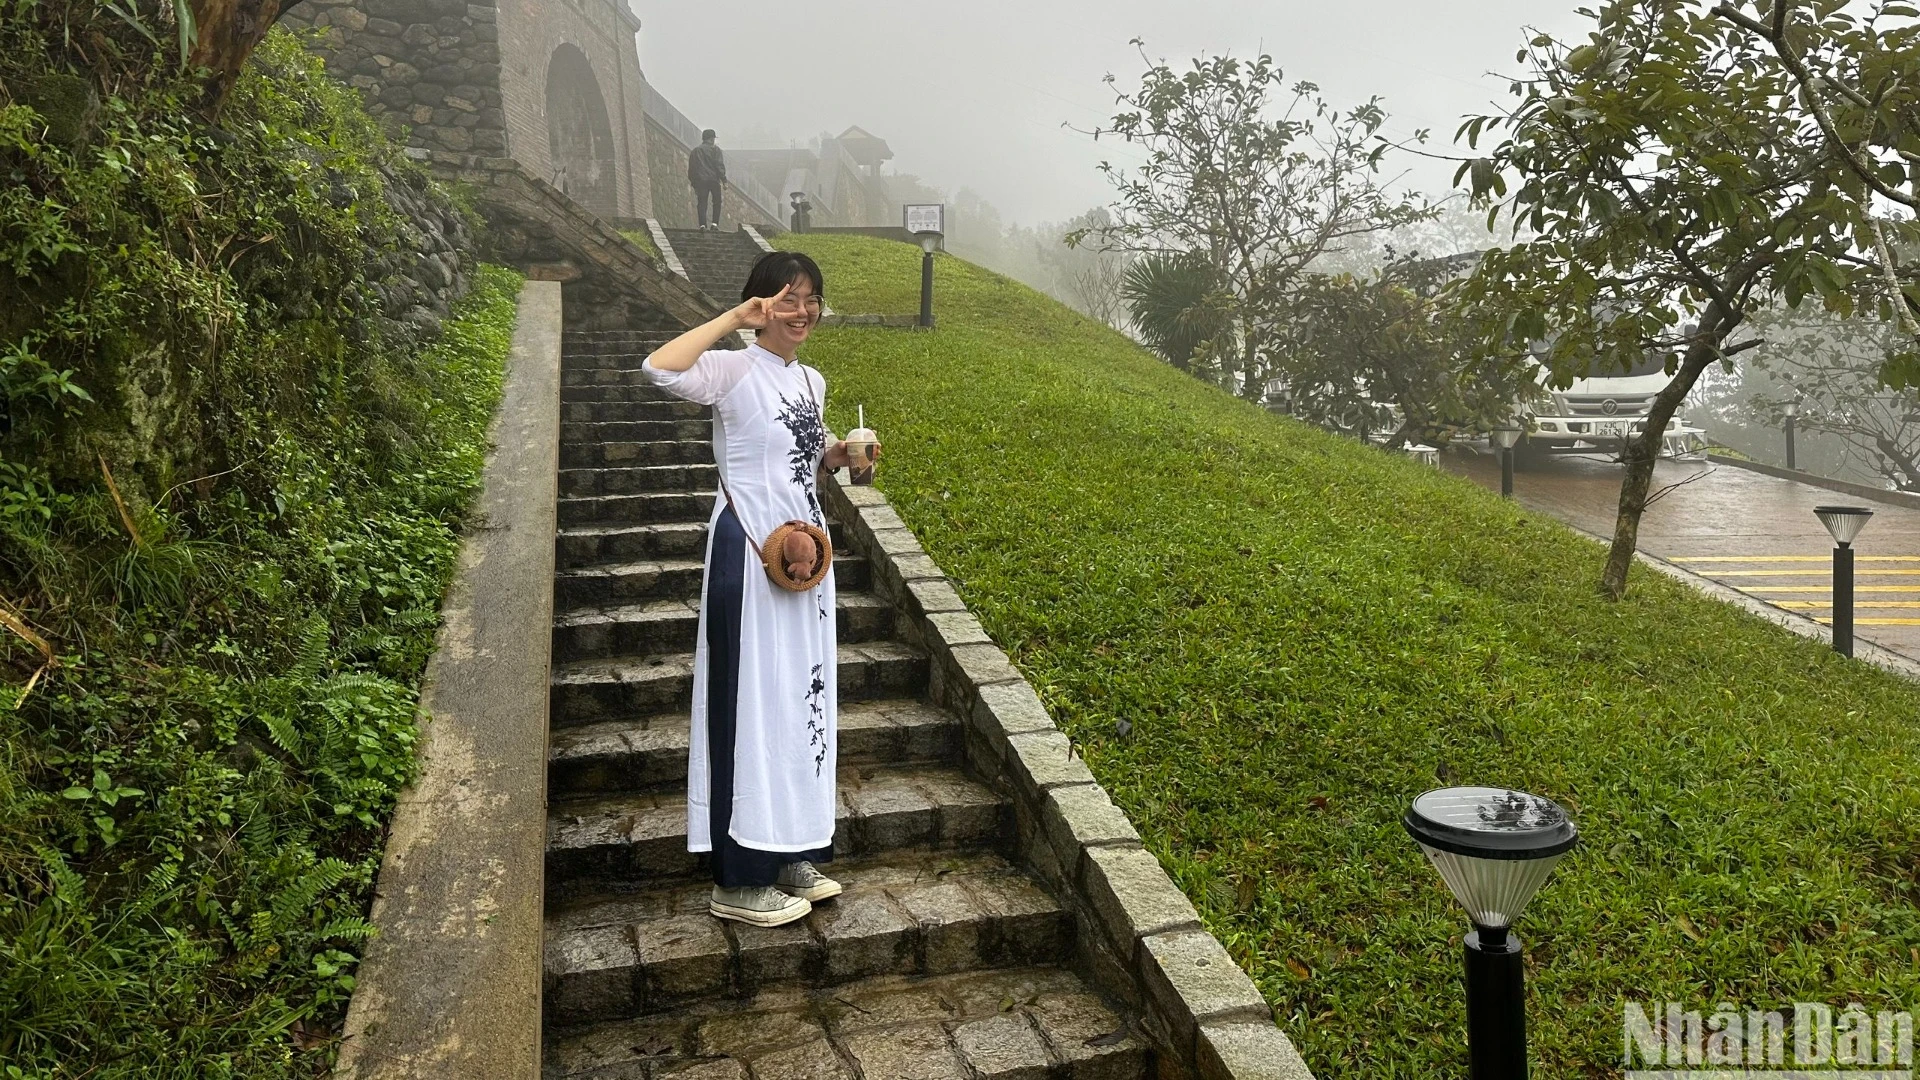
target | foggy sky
[{"x": 974, "y": 94}]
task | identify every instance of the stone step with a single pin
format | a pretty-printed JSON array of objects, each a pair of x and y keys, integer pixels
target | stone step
[
  {"x": 589, "y": 690},
  {"x": 647, "y": 452},
  {"x": 638, "y": 509},
  {"x": 636, "y": 431},
  {"x": 585, "y": 545},
  {"x": 1028, "y": 1023},
  {"x": 583, "y": 344},
  {"x": 634, "y": 479},
  {"x": 671, "y": 625},
  {"x": 634, "y": 755},
  {"x": 602, "y": 585},
  {"x": 611, "y": 376},
  {"x": 597, "y": 412},
  {"x": 616, "y": 393},
  {"x": 908, "y": 913},
  {"x": 632, "y": 837}
]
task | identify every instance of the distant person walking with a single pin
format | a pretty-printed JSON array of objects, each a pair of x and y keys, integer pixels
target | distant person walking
[{"x": 707, "y": 172}]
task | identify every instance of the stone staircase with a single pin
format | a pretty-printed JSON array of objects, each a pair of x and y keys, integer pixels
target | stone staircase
[
  {"x": 943, "y": 959},
  {"x": 717, "y": 262}
]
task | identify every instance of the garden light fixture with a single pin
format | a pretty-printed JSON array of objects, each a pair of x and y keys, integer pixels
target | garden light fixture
[
  {"x": 1843, "y": 524},
  {"x": 1506, "y": 436},
  {"x": 1494, "y": 848},
  {"x": 1791, "y": 411},
  {"x": 929, "y": 242}
]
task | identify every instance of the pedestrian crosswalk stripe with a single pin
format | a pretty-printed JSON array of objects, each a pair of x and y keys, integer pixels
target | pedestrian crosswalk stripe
[{"x": 1789, "y": 558}]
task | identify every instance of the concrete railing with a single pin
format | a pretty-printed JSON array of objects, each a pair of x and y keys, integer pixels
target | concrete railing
[
  {"x": 1139, "y": 937},
  {"x": 451, "y": 986}
]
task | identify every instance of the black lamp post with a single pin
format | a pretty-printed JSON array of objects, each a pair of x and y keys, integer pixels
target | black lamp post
[
  {"x": 1506, "y": 436},
  {"x": 928, "y": 242},
  {"x": 1790, "y": 410},
  {"x": 1494, "y": 848},
  {"x": 1843, "y": 523}
]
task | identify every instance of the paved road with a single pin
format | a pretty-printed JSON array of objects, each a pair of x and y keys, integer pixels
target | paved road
[{"x": 1753, "y": 532}]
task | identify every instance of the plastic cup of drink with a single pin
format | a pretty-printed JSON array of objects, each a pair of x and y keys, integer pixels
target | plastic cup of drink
[{"x": 861, "y": 443}]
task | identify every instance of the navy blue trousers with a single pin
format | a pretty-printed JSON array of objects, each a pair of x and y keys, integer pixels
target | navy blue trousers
[{"x": 733, "y": 864}]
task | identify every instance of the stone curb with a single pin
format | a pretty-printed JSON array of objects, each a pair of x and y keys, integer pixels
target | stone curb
[
  {"x": 1846, "y": 487},
  {"x": 452, "y": 984},
  {"x": 1140, "y": 939},
  {"x": 667, "y": 253}
]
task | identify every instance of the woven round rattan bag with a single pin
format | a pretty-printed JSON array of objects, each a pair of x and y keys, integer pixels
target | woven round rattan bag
[{"x": 775, "y": 556}]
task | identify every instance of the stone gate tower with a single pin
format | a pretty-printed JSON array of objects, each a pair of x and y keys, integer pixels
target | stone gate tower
[{"x": 553, "y": 85}]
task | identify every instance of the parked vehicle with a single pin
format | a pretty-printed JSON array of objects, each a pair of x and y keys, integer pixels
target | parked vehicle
[{"x": 1598, "y": 415}]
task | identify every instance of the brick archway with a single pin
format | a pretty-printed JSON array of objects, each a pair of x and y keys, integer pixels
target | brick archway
[{"x": 580, "y": 134}]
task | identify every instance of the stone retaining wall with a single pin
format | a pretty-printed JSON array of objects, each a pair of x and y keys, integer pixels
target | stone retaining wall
[
  {"x": 436, "y": 266},
  {"x": 1140, "y": 938}
]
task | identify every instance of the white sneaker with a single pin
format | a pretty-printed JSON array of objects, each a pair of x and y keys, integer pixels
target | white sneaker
[
  {"x": 760, "y": 905},
  {"x": 800, "y": 879}
]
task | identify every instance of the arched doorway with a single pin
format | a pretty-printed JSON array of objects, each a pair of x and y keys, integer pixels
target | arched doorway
[{"x": 579, "y": 136}]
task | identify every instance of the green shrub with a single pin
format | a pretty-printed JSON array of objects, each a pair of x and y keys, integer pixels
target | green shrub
[
  {"x": 1302, "y": 633},
  {"x": 230, "y": 494}
]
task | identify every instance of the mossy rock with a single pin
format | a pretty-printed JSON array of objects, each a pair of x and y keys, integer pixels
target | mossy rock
[{"x": 67, "y": 103}]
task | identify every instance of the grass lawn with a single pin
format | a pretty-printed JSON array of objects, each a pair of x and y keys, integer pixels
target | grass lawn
[{"x": 1305, "y": 632}]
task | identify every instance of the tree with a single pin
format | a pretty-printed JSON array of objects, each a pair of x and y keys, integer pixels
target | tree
[
  {"x": 1178, "y": 307},
  {"x": 1358, "y": 342},
  {"x": 1831, "y": 369},
  {"x": 1855, "y": 76},
  {"x": 1670, "y": 195},
  {"x": 1258, "y": 195},
  {"x": 1088, "y": 278}
]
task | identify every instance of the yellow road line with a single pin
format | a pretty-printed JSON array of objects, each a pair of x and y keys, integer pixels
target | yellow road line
[
  {"x": 1875, "y": 622},
  {"x": 1828, "y": 603},
  {"x": 1790, "y": 558},
  {"x": 1758, "y": 589},
  {"x": 1809, "y": 573}
]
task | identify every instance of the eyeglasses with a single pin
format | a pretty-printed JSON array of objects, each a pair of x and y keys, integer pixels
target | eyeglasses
[{"x": 813, "y": 304}]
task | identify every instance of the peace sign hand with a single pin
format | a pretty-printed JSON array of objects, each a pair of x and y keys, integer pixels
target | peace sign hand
[{"x": 757, "y": 311}]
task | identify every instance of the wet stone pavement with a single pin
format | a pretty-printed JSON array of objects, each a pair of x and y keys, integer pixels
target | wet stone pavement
[{"x": 1752, "y": 532}]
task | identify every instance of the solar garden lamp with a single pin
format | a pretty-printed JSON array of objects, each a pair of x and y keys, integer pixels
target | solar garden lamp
[
  {"x": 1791, "y": 411},
  {"x": 929, "y": 242},
  {"x": 1506, "y": 436},
  {"x": 1843, "y": 523},
  {"x": 1494, "y": 848}
]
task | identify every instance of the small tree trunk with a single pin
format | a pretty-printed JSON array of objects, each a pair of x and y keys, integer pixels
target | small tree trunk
[
  {"x": 1643, "y": 450},
  {"x": 225, "y": 34}
]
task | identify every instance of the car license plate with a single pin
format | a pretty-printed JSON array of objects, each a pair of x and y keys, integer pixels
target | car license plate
[{"x": 1613, "y": 429}]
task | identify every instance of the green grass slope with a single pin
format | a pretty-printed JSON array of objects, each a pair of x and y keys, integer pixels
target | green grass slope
[{"x": 1304, "y": 633}]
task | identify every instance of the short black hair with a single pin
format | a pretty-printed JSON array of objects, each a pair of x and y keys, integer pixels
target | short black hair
[
  {"x": 778, "y": 269},
  {"x": 708, "y": 135}
]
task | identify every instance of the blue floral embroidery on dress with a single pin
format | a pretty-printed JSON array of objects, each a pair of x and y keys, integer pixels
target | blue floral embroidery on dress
[
  {"x": 817, "y": 722},
  {"x": 802, "y": 421}
]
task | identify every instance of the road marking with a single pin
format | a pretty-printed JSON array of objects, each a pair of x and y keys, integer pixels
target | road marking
[
  {"x": 1757, "y": 589},
  {"x": 1789, "y": 558},
  {"x": 1828, "y": 603},
  {"x": 1874, "y": 622},
  {"x": 1809, "y": 573}
]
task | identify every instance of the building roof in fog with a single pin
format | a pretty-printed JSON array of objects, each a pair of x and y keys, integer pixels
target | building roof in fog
[{"x": 865, "y": 147}]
